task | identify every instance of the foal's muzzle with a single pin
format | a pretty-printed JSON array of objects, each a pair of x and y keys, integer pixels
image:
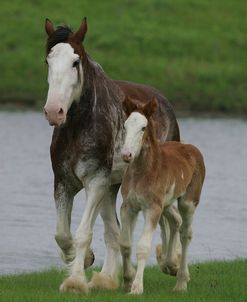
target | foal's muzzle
[{"x": 127, "y": 156}]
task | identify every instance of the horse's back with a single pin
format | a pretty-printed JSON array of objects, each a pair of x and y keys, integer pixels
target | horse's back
[
  {"x": 168, "y": 126},
  {"x": 188, "y": 159},
  {"x": 186, "y": 152}
]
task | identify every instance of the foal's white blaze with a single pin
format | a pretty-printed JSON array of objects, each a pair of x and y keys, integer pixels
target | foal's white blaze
[
  {"x": 64, "y": 84},
  {"x": 134, "y": 127}
]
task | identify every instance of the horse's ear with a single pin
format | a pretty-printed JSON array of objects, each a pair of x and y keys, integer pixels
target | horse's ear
[
  {"x": 150, "y": 108},
  {"x": 80, "y": 34},
  {"x": 129, "y": 105},
  {"x": 49, "y": 28}
]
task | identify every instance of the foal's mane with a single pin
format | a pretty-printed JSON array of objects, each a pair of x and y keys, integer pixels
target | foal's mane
[{"x": 60, "y": 35}]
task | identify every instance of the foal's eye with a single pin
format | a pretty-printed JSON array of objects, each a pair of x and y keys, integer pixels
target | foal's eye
[
  {"x": 143, "y": 128},
  {"x": 76, "y": 63}
]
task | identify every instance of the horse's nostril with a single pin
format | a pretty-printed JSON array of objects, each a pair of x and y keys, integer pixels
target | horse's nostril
[{"x": 60, "y": 112}]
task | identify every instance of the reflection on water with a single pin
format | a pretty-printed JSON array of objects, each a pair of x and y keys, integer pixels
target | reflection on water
[{"x": 27, "y": 213}]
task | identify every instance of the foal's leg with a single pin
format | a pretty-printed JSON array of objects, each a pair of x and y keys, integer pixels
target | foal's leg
[
  {"x": 152, "y": 217},
  {"x": 108, "y": 277},
  {"x": 95, "y": 190},
  {"x": 161, "y": 249},
  {"x": 128, "y": 221},
  {"x": 186, "y": 209},
  {"x": 170, "y": 261}
]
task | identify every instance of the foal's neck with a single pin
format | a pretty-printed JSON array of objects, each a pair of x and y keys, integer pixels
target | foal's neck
[{"x": 148, "y": 157}]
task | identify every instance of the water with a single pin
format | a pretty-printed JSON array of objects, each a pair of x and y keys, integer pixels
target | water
[{"x": 27, "y": 212}]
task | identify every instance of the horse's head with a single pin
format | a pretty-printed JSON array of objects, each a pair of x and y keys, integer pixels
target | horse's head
[
  {"x": 135, "y": 126},
  {"x": 65, "y": 56}
]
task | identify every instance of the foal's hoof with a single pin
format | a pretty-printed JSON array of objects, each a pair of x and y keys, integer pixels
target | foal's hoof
[
  {"x": 74, "y": 285},
  {"x": 168, "y": 267},
  {"x": 128, "y": 280},
  {"x": 180, "y": 287},
  {"x": 159, "y": 255},
  {"x": 103, "y": 281},
  {"x": 136, "y": 289},
  {"x": 89, "y": 259}
]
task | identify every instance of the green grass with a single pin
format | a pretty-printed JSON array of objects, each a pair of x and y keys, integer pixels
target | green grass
[
  {"x": 194, "y": 51},
  {"x": 214, "y": 281}
]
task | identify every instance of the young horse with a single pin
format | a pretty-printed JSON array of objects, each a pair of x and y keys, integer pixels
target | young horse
[
  {"x": 157, "y": 175},
  {"x": 85, "y": 107}
]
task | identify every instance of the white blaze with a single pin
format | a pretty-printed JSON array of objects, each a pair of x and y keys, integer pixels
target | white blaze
[
  {"x": 134, "y": 127},
  {"x": 64, "y": 86}
]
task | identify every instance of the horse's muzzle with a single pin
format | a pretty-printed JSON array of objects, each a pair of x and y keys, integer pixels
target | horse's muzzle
[{"x": 56, "y": 116}]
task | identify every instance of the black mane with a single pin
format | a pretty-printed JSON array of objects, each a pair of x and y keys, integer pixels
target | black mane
[{"x": 60, "y": 35}]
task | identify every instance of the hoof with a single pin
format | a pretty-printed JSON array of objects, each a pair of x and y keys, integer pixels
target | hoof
[
  {"x": 159, "y": 254},
  {"x": 128, "y": 281},
  {"x": 136, "y": 289},
  {"x": 103, "y": 281},
  {"x": 89, "y": 259},
  {"x": 182, "y": 279},
  {"x": 180, "y": 287},
  {"x": 168, "y": 267},
  {"x": 74, "y": 285}
]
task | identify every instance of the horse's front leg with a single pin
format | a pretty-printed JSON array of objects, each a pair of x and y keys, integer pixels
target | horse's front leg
[
  {"x": 108, "y": 277},
  {"x": 95, "y": 191},
  {"x": 64, "y": 203}
]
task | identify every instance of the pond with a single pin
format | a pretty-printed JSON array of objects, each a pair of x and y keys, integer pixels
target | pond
[{"x": 27, "y": 211}]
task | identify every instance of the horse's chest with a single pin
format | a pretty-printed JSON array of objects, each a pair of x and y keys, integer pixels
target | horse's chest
[{"x": 118, "y": 165}]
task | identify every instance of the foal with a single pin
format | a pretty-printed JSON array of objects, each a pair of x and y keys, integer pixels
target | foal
[{"x": 157, "y": 175}]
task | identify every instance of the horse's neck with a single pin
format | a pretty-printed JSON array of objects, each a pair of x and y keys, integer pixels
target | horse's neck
[
  {"x": 90, "y": 95},
  {"x": 98, "y": 105}
]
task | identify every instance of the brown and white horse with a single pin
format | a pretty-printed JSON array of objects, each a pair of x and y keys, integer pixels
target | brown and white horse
[
  {"x": 85, "y": 106},
  {"x": 158, "y": 175}
]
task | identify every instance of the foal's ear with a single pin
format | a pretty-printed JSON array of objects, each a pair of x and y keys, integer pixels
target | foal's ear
[
  {"x": 150, "y": 108},
  {"x": 80, "y": 34},
  {"x": 49, "y": 28},
  {"x": 129, "y": 105}
]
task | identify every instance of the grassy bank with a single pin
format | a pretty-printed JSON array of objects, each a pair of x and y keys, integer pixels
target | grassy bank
[
  {"x": 193, "y": 51},
  {"x": 215, "y": 281}
]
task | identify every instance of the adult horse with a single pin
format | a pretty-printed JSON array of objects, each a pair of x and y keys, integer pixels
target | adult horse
[{"x": 85, "y": 106}]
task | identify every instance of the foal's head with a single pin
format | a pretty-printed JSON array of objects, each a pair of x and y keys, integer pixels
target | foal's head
[
  {"x": 65, "y": 56},
  {"x": 135, "y": 126}
]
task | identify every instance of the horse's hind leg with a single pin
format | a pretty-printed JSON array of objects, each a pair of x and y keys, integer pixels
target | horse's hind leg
[
  {"x": 108, "y": 277},
  {"x": 168, "y": 256},
  {"x": 186, "y": 209}
]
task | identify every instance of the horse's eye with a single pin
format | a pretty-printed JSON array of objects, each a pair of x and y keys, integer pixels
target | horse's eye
[
  {"x": 76, "y": 63},
  {"x": 143, "y": 128}
]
